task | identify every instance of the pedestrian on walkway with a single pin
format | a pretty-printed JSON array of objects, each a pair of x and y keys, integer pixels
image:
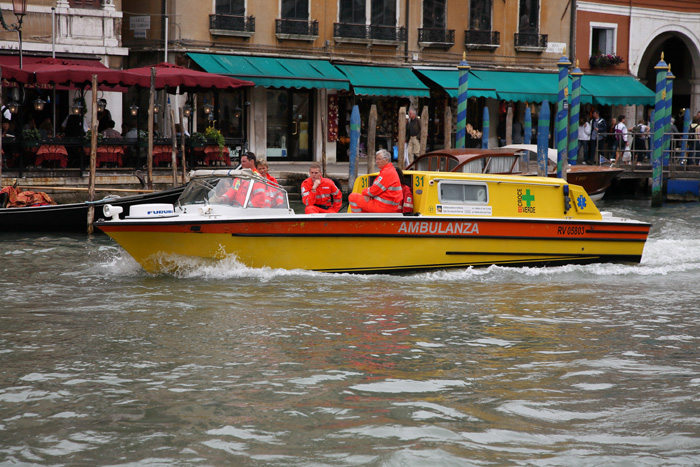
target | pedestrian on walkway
[{"x": 412, "y": 135}]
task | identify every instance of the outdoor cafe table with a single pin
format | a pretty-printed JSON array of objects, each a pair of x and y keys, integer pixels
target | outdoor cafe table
[
  {"x": 52, "y": 152},
  {"x": 213, "y": 155}
]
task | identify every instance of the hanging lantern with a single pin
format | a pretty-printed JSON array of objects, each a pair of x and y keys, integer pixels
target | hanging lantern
[
  {"x": 77, "y": 107},
  {"x": 187, "y": 110},
  {"x": 101, "y": 105},
  {"x": 39, "y": 105},
  {"x": 134, "y": 109}
]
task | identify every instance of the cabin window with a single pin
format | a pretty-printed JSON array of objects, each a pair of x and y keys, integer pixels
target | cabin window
[
  {"x": 424, "y": 163},
  {"x": 463, "y": 193},
  {"x": 443, "y": 163},
  {"x": 501, "y": 165},
  {"x": 451, "y": 165},
  {"x": 473, "y": 167}
]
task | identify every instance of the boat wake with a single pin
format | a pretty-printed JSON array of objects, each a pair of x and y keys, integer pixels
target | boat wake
[{"x": 661, "y": 257}]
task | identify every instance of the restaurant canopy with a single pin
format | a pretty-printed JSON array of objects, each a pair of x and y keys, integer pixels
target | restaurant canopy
[
  {"x": 384, "y": 81},
  {"x": 275, "y": 72},
  {"x": 615, "y": 90},
  {"x": 73, "y": 74},
  {"x": 172, "y": 76},
  {"x": 448, "y": 79}
]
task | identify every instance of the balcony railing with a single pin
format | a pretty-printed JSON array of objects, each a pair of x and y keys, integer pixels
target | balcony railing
[
  {"x": 482, "y": 39},
  {"x": 368, "y": 33},
  {"x": 295, "y": 27},
  {"x": 436, "y": 37},
  {"x": 531, "y": 41},
  {"x": 232, "y": 25}
]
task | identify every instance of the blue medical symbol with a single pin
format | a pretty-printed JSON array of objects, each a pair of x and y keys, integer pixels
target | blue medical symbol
[{"x": 581, "y": 201}]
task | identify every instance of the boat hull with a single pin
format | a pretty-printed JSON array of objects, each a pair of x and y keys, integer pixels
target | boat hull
[
  {"x": 73, "y": 217},
  {"x": 348, "y": 243}
]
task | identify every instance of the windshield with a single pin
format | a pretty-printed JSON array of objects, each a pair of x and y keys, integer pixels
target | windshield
[{"x": 234, "y": 191}]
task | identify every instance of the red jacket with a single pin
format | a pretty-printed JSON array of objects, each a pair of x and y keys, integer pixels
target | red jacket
[
  {"x": 407, "y": 198},
  {"x": 386, "y": 188},
  {"x": 326, "y": 196}
]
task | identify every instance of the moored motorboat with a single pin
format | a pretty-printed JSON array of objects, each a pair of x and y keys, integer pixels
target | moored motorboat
[
  {"x": 72, "y": 217},
  {"x": 516, "y": 159},
  {"x": 459, "y": 220}
]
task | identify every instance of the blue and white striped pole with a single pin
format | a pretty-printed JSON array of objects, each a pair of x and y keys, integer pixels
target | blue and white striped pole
[
  {"x": 463, "y": 68},
  {"x": 574, "y": 109},
  {"x": 527, "y": 138},
  {"x": 485, "y": 130},
  {"x": 658, "y": 136},
  {"x": 561, "y": 121},
  {"x": 543, "y": 140},
  {"x": 686, "y": 129}
]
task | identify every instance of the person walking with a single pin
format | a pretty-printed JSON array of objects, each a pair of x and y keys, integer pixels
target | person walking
[
  {"x": 622, "y": 141},
  {"x": 412, "y": 135}
]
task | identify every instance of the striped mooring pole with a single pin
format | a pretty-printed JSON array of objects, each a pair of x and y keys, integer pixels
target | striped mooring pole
[
  {"x": 561, "y": 120},
  {"x": 658, "y": 136},
  {"x": 543, "y": 139},
  {"x": 463, "y": 68},
  {"x": 527, "y": 137},
  {"x": 667, "y": 115},
  {"x": 485, "y": 129},
  {"x": 575, "y": 109}
]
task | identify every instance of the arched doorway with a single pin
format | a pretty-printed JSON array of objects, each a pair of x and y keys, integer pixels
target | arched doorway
[{"x": 682, "y": 54}]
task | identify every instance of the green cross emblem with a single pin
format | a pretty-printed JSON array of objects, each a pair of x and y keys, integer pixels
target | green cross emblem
[{"x": 528, "y": 198}]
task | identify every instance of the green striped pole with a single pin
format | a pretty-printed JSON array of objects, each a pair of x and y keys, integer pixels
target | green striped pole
[
  {"x": 575, "y": 109},
  {"x": 658, "y": 136},
  {"x": 667, "y": 116},
  {"x": 463, "y": 68},
  {"x": 561, "y": 120}
]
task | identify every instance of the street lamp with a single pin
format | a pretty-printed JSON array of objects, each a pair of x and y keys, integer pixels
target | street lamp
[
  {"x": 39, "y": 104},
  {"x": 19, "y": 7}
]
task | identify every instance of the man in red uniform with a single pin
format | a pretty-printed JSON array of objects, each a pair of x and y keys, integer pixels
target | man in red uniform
[
  {"x": 385, "y": 194},
  {"x": 320, "y": 195},
  {"x": 248, "y": 162}
]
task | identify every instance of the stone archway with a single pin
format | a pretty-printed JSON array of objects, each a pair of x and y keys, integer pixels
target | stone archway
[{"x": 683, "y": 55}]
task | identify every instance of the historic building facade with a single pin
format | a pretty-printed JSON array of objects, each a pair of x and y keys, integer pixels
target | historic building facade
[{"x": 312, "y": 60}]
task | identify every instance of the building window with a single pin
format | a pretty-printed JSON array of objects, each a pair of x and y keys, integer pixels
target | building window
[
  {"x": 295, "y": 9},
  {"x": 352, "y": 11},
  {"x": 434, "y": 12},
  {"x": 529, "y": 16},
  {"x": 384, "y": 12},
  {"x": 480, "y": 15},
  {"x": 603, "y": 39},
  {"x": 91, "y": 4},
  {"x": 230, "y": 7}
]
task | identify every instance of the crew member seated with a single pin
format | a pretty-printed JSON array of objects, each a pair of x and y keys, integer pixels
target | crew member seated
[
  {"x": 320, "y": 195},
  {"x": 385, "y": 194}
]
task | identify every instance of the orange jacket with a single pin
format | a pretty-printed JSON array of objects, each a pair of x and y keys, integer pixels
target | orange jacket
[
  {"x": 386, "y": 188},
  {"x": 327, "y": 195}
]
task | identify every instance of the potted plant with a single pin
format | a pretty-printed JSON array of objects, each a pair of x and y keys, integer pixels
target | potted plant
[
  {"x": 215, "y": 135},
  {"x": 197, "y": 140},
  {"x": 31, "y": 137},
  {"x": 602, "y": 61}
]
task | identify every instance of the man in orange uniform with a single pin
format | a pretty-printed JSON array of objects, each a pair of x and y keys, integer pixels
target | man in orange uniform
[
  {"x": 320, "y": 195},
  {"x": 385, "y": 194}
]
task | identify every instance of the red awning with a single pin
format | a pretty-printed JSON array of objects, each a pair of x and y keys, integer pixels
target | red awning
[
  {"x": 172, "y": 76},
  {"x": 71, "y": 73},
  {"x": 14, "y": 74}
]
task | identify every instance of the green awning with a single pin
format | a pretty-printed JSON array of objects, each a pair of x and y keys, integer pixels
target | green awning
[
  {"x": 521, "y": 86},
  {"x": 384, "y": 81},
  {"x": 275, "y": 72},
  {"x": 615, "y": 90},
  {"x": 449, "y": 81}
]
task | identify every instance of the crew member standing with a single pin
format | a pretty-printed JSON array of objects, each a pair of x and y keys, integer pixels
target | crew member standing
[
  {"x": 320, "y": 195},
  {"x": 385, "y": 194},
  {"x": 413, "y": 135}
]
